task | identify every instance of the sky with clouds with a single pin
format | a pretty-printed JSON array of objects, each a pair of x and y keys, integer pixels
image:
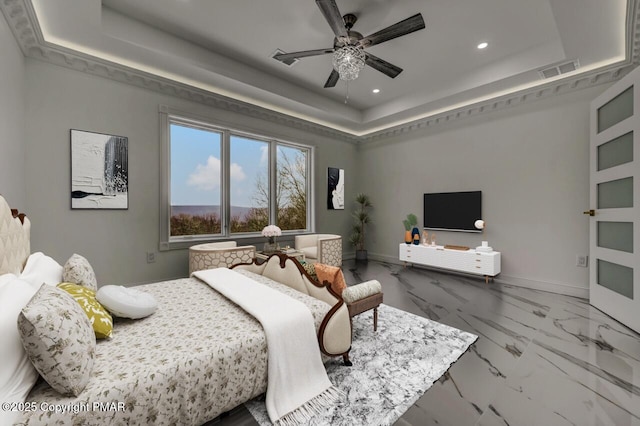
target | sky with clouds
[{"x": 195, "y": 167}]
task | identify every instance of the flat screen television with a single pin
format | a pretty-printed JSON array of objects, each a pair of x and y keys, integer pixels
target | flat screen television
[{"x": 453, "y": 211}]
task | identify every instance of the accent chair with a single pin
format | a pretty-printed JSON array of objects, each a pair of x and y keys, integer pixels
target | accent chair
[
  {"x": 320, "y": 248},
  {"x": 217, "y": 255}
]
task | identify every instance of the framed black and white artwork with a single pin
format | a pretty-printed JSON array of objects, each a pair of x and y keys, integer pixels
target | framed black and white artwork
[
  {"x": 99, "y": 171},
  {"x": 335, "y": 189}
]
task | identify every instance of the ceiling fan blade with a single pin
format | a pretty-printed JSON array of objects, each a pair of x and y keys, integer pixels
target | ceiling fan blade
[
  {"x": 383, "y": 66},
  {"x": 332, "y": 80},
  {"x": 332, "y": 14},
  {"x": 302, "y": 54},
  {"x": 401, "y": 28}
]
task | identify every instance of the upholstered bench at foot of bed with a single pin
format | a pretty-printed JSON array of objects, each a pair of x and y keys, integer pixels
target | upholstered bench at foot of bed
[
  {"x": 335, "y": 333},
  {"x": 363, "y": 297}
]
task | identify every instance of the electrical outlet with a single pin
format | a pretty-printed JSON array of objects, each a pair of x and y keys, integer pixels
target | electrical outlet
[
  {"x": 151, "y": 257},
  {"x": 582, "y": 260}
]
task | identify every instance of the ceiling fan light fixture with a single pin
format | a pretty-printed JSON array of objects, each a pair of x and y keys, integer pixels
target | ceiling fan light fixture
[{"x": 348, "y": 61}]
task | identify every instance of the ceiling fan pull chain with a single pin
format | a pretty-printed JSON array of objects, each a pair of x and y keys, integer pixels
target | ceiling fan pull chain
[{"x": 346, "y": 95}]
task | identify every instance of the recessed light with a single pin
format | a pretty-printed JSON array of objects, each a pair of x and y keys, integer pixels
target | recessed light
[
  {"x": 483, "y": 45},
  {"x": 376, "y": 90}
]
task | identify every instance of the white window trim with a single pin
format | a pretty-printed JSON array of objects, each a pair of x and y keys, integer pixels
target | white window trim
[{"x": 169, "y": 115}]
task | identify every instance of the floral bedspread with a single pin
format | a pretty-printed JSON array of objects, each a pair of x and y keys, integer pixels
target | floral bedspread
[{"x": 198, "y": 356}]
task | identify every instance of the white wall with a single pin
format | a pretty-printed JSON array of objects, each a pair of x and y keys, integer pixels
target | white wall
[
  {"x": 12, "y": 122},
  {"x": 531, "y": 164},
  {"x": 116, "y": 241}
]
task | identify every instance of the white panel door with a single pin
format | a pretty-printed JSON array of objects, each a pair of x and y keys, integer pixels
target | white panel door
[{"x": 614, "y": 275}]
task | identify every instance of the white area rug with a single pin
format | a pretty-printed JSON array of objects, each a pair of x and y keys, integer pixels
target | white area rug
[{"x": 392, "y": 368}]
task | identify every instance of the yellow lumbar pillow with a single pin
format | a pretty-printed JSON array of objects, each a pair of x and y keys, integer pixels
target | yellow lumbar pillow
[{"x": 98, "y": 316}]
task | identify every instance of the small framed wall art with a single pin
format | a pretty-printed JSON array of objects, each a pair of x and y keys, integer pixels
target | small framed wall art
[
  {"x": 335, "y": 189},
  {"x": 99, "y": 171}
]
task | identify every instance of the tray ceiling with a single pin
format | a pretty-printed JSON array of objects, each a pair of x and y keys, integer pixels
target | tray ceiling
[{"x": 225, "y": 48}]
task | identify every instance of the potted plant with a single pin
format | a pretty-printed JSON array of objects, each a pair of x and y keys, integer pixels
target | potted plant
[
  {"x": 362, "y": 218},
  {"x": 411, "y": 229}
]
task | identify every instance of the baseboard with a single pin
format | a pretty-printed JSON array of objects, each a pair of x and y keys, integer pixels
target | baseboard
[
  {"x": 384, "y": 258},
  {"x": 552, "y": 287},
  {"x": 348, "y": 255}
]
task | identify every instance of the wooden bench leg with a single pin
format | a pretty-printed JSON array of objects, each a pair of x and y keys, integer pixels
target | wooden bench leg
[
  {"x": 346, "y": 360},
  {"x": 375, "y": 319}
]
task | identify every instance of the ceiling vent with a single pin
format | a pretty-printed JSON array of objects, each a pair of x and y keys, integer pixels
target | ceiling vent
[
  {"x": 556, "y": 70},
  {"x": 287, "y": 62}
]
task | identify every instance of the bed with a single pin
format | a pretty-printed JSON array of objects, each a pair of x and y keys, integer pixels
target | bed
[{"x": 198, "y": 356}]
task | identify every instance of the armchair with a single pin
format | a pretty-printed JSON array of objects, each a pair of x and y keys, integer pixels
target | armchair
[
  {"x": 216, "y": 255},
  {"x": 320, "y": 248}
]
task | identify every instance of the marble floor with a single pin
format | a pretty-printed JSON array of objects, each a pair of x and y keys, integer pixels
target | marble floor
[{"x": 541, "y": 358}]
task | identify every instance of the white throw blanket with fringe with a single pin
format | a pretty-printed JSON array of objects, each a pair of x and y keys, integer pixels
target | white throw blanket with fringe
[{"x": 298, "y": 386}]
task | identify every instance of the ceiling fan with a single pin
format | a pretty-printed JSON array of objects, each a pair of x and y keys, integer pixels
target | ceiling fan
[{"x": 348, "y": 46}]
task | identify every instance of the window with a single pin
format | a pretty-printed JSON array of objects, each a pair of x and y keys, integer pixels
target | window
[
  {"x": 291, "y": 197},
  {"x": 195, "y": 181},
  {"x": 249, "y": 184},
  {"x": 221, "y": 183}
]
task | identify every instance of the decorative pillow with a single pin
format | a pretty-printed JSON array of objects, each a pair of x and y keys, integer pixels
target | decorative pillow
[
  {"x": 100, "y": 319},
  {"x": 17, "y": 375},
  {"x": 58, "y": 339},
  {"x": 41, "y": 268},
  {"x": 333, "y": 274},
  {"x": 78, "y": 270},
  {"x": 127, "y": 302},
  {"x": 311, "y": 269}
]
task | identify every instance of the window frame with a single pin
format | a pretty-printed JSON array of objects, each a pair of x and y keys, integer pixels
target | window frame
[{"x": 169, "y": 116}]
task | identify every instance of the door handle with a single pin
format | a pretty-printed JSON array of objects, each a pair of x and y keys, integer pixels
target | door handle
[{"x": 590, "y": 212}]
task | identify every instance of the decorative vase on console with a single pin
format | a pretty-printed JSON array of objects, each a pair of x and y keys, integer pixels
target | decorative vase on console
[
  {"x": 425, "y": 237},
  {"x": 407, "y": 237},
  {"x": 411, "y": 234},
  {"x": 415, "y": 235},
  {"x": 271, "y": 232}
]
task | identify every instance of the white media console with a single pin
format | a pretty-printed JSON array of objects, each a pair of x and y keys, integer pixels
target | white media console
[{"x": 468, "y": 261}]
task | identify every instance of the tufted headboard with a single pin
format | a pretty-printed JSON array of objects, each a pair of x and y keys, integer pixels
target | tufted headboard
[{"x": 15, "y": 230}]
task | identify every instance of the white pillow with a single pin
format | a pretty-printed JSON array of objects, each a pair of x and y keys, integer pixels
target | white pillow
[
  {"x": 17, "y": 374},
  {"x": 126, "y": 302},
  {"x": 42, "y": 269}
]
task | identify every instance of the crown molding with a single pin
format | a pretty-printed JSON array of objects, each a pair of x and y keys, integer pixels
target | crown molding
[
  {"x": 23, "y": 22},
  {"x": 558, "y": 87},
  {"x": 596, "y": 77},
  {"x": 25, "y": 27}
]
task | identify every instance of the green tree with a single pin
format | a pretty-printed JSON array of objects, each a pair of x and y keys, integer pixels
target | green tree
[{"x": 185, "y": 224}]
